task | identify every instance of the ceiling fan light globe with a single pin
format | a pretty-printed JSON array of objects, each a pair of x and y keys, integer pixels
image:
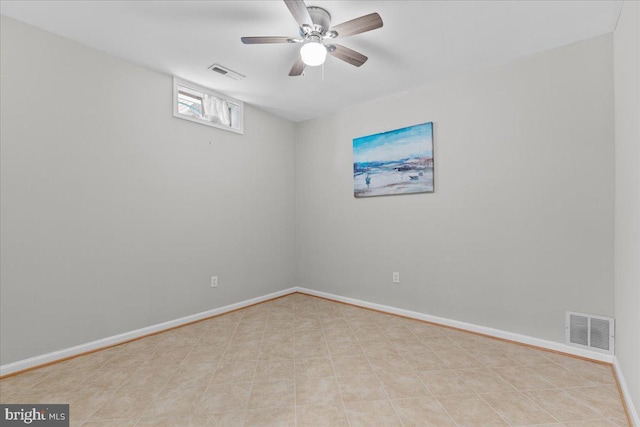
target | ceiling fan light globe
[{"x": 313, "y": 54}]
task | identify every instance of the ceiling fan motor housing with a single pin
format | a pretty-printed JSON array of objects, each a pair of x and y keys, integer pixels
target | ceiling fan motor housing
[{"x": 321, "y": 19}]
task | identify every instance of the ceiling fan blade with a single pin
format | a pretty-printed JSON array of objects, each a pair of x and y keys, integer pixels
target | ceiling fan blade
[
  {"x": 347, "y": 55},
  {"x": 269, "y": 39},
  {"x": 358, "y": 25},
  {"x": 299, "y": 11},
  {"x": 298, "y": 67}
]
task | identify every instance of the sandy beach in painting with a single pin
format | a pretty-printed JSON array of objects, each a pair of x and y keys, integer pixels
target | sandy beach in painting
[
  {"x": 386, "y": 181},
  {"x": 395, "y": 162}
]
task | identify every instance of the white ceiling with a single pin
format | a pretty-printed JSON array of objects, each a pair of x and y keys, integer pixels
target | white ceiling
[{"x": 421, "y": 42}]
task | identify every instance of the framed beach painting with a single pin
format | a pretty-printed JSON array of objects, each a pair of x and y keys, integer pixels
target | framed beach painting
[{"x": 394, "y": 162}]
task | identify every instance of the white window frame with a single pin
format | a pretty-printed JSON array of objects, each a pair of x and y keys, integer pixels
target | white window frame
[{"x": 239, "y": 105}]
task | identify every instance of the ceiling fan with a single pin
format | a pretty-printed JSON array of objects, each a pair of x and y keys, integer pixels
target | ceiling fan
[{"x": 315, "y": 30}]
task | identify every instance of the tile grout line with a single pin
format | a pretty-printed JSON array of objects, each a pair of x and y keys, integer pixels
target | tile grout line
[
  {"x": 295, "y": 357},
  {"x": 536, "y": 403},
  {"x": 454, "y": 371},
  {"x": 295, "y": 399},
  {"x": 597, "y": 411},
  {"x": 562, "y": 389},
  {"x": 142, "y": 365},
  {"x": 412, "y": 371},
  {"x": 218, "y": 365},
  {"x": 335, "y": 378},
  {"x": 484, "y": 366},
  {"x": 514, "y": 389},
  {"x": 494, "y": 409},
  {"x": 295, "y": 370},
  {"x": 485, "y": 401},
  {"x": 295, "y": 385},
  {"x": 344, "y": 406},
  {"x": 427, "y": 387},
  {"x": 522, "y": 392},
  {"x": 375, "y": 374},
  {"x": 255, "y": 368},
  {"x": 100, "y": 405}
]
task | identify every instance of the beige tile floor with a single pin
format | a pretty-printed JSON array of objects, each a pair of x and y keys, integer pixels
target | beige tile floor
[{"x": 305, "y": 361}]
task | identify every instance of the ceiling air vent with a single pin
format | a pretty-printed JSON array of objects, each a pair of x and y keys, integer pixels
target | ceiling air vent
[
  {"x": 590, "y": 331},
  {"x": 224, "y": 71}
]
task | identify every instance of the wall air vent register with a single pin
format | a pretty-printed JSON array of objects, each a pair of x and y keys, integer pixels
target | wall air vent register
[
  {"x": 224, "y": 71},
  {"x": 592, "y": 332}
]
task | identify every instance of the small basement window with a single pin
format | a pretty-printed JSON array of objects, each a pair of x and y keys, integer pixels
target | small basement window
[{"x": 202, "y": 105}]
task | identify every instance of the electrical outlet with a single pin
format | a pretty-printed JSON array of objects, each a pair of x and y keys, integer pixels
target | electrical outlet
[
  {"x": 396, "y": 277},
  {"x": 214, "y": 281}
]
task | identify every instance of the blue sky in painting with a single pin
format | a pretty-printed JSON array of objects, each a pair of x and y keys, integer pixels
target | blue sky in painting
[{"x": 409, "y": 142}]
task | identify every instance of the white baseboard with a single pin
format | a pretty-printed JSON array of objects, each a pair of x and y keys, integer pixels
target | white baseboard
[
  {"x": 498, "y": 333},
  {"x": 42, "y": 359},
  {"x": 635, "y": 419}
]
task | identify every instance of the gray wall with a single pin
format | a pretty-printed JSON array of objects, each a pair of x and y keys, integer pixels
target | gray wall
[
  {"x": 114, "y": 213},
  {"x": 627, "y": 198},
  {"x": 520, "y": 227}
]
